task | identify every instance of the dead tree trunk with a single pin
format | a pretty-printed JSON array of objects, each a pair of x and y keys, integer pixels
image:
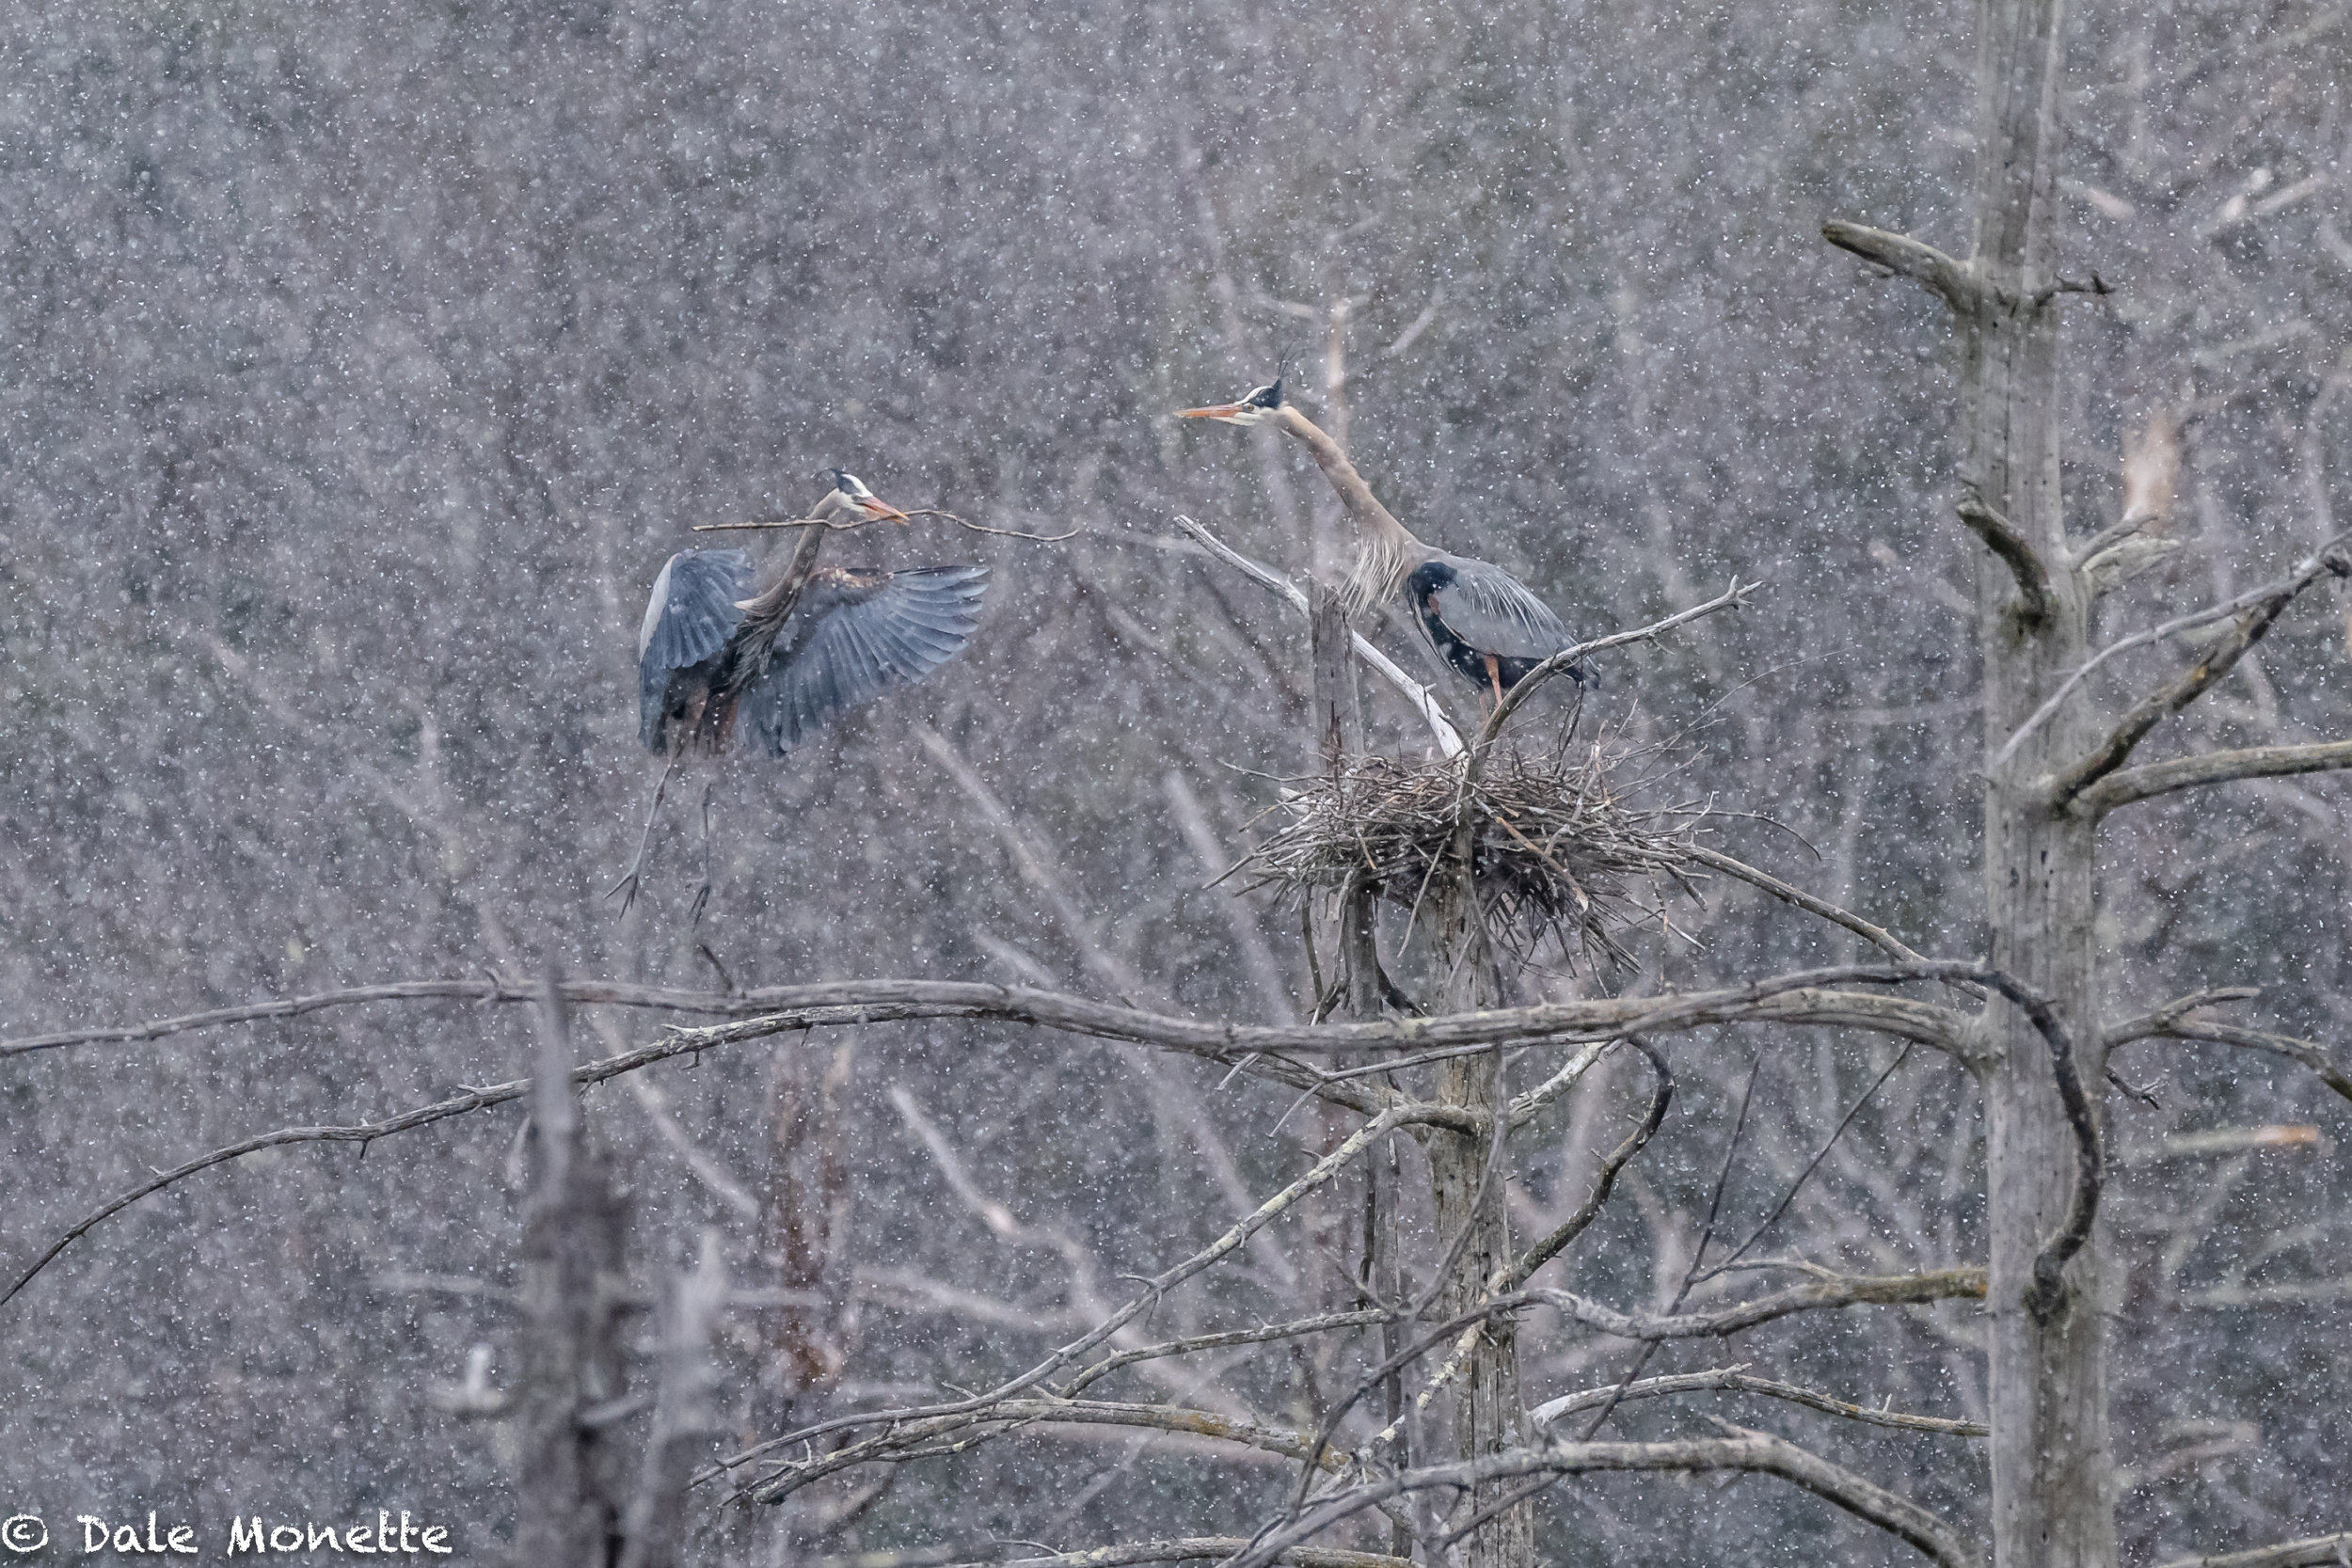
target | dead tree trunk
[
  {"x": 2053, "y": 1499},
  {"x": 1467, "y": 1182},
  {"x": 1489, "y": 1413},
  {"x": 2052, "y": 1474},
  {"x": 685, "y": 1416},
  {"x": 1339, "y": 731},
  {"x": 569, "y": 1476}
]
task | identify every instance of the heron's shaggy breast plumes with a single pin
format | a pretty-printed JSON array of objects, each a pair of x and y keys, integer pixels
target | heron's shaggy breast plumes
[{"x": 1378, "y": 574}]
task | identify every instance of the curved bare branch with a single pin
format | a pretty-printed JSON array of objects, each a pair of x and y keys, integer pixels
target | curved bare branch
[
  {"x": 1744, "y": 1450},
  {"x": 1950, "y": 280},
  {"x": 1231, "y": 1338},
  {"x": 2036, "y": 603},
  {"x": 1423, "y": 701},
  {"x": 2248, "y": 628},
  {"x": 1191, "y": 1548},
  {"x": 1156, "y": 1417},
  {"x": 1828, "y": 1293},
  {"x": 2263, "y": 605},
  {"x": 1605, "y": 1180},
  {"x": 1735, "y": 1380},
  {"x": 1791, "y": 998},
  {"x": 488, "y": 988},
  {"x": 783, "y": 1009},
  {"x": 2309, "y": 1054},
  {"x": 1731, "y": 598},
  {"x": 1524, "y": 1107},
  {"x": 2129, "y": 784},
  {"x": 788, "y": 1478},
  {"x": 1877, "y": 936},
  {"x": 2310, "y": 1552}
]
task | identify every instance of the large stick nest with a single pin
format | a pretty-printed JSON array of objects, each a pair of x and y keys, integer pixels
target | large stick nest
[{"x": 1555, "y": 850}]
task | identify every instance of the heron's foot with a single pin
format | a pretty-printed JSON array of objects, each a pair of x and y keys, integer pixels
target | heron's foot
[
  {"x": 626, "y": 889},
  {"x": 702, "y": 901}
]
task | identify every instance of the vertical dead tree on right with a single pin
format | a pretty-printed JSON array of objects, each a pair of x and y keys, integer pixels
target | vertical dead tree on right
[{"x": 2054, "y": 767}]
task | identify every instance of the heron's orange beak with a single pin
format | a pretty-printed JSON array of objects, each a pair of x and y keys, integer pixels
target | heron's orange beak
[
  {"x": 878, "y": 509},
  {"x": 1221, "y": 411}
]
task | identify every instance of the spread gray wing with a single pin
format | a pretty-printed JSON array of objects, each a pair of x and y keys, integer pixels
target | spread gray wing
[
  {"x": 688, "y": 619},
  {"x": 1495, "y": 612},
  {"x": 856, "y": 634}
]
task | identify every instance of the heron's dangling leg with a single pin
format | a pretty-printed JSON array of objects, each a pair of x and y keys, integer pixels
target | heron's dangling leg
[
  {"x": 702, "y": 893},
  {"x": 626, "y": 886},
  {"x": 1494, "y": 678}
]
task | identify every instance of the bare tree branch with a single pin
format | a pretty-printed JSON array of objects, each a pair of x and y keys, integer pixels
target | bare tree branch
[
  {"x": 1231, "y": 1338},
  {"x": 789, "y": 1007},
  {"x": 1037, "y": 869},
  {"x": 491, "y": 987},
  {"x": 1189, "y": 1549},
  {"x": 781, "y": 1481},
  {"x": 2310, "y": 1552},
  {"x": 1826, "y": 1293},
  {"x": 2248, "y": 628},
  {"x": 2126, "y": 786},
  {"x": 1605, "y": 1180},
  {"x": 1524, "y": 1107},
  {"x": 1158, "y": 1417},
  {"x": 1736, "y": 1380},
  {"x": 2274, "y": 595},
  {"x": 1241, "y": 918},
  {"x": 1747, "y": 1451},
  {"x": 707, "y": 1169},
  {"x": 1877, "y": 936},
  {"x": 2165, "y": 1015},
  {"x": 1953, "y": 282},
  {"x": 1731, "y": 598},
  {"x": 1789, "y": 999},
  {"x": 1423, "y": 701},
  {"x": 2173, "y": 1023},
  {"x": 2004, "y": 539}
]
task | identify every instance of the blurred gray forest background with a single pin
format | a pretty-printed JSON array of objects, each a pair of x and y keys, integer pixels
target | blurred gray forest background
[{"x": 362, "y": 364}]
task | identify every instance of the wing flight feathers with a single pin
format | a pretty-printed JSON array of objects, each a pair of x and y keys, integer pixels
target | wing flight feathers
[
  {"x": 688, "y": 618},
  {"x": 854, "y": 636}
]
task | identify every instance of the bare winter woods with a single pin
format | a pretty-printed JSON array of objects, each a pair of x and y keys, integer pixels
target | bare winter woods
[{"x": 1863, "y": 1081}]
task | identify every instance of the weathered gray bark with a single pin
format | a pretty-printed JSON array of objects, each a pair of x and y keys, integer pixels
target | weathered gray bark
[
  {"x": 1338, "y": 732},
  {"x": 1339, "y": 704},
  {"x": 567, "y": 1480},
  {"x": 2052, "y": 1490},
  {"x": 2053, "y": 1501},
  {"x": 685, "y": 1416},
  {"x": 1490, "y": 1412}
]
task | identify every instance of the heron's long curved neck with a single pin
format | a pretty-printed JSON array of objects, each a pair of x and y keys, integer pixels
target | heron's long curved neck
[
  {"x": 781, "y": 577},
  {"x": 1390, "y": 549}
]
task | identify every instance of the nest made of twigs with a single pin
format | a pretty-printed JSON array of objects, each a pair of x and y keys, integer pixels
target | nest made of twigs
[{"x": 1555, "y": 850}]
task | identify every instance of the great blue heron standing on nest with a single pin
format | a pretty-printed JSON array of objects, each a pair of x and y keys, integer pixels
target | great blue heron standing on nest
[
  {"x": 786, "y": 648},
  {"x": 1485, "y": 624}
]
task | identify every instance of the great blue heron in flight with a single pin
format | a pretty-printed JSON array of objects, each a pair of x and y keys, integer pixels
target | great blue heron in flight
[
  {"x": 787, "y": 647},
  {"x": 1485, "y": 624}
]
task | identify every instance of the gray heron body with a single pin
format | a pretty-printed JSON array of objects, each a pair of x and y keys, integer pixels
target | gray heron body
[
  {"x": 784, "y": 648},
  {"x": 1486, "y": 625},
  {"x": 795, "y": 644}
]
